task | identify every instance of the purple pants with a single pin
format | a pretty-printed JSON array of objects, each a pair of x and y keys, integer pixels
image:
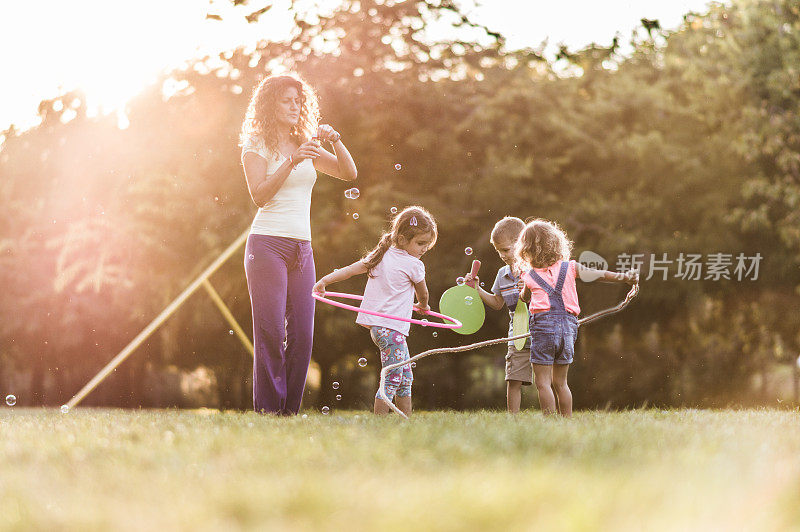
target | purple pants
[{"x": 280, "y": 274}]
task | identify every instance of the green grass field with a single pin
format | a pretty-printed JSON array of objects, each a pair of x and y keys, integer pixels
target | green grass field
[{"x": 634, "y": 470}]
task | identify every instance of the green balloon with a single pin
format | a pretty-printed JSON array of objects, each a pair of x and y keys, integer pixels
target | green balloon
[{"x": 464, "y": 304}]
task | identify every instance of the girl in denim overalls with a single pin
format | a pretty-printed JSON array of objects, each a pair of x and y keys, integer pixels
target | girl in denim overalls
[{"x": 544, "y": 249}]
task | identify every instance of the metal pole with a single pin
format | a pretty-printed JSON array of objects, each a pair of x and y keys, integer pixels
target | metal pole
[
  {"x": 228, "y": 315},
  {"x": 161, "y": 318}
]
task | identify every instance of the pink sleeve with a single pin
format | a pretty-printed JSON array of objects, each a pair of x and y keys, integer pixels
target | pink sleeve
[{"x": 573, "y": 265}]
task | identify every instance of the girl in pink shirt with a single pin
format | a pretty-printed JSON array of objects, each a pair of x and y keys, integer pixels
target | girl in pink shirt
[
  {"x": 396, "y": 274},
  {"x": 544, "y": 249}
]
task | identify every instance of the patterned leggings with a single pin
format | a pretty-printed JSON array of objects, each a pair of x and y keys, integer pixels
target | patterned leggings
[{"x": 393, "y": 349}]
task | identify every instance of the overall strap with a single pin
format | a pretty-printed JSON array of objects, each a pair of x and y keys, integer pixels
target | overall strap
[
  {"x": 541, "y": 282},
  {"x": 562, "y": 276}
]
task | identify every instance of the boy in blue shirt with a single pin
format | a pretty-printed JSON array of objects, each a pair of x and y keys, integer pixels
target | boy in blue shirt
[{"x": 505, "y": 293}]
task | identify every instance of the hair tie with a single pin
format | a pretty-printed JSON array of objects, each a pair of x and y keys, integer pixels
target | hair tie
[{"x": 413, "y": 221}]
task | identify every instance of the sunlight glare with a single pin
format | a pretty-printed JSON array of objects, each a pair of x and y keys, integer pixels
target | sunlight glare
[
  {"x": 111, "y": 51},
  {"x": 112, "y": 54}
]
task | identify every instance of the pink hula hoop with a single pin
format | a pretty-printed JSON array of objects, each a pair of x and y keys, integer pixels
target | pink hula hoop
[{"x": 454, "y": 325}]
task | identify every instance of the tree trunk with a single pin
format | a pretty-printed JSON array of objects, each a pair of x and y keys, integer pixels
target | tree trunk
[
  {"x": 245, "y": 376},
  {"x": 59, "y": 392},
  {"x": 459, "y": 376},
  {"x": 37, "y": 381},
  {"x": 325, "y": 391}
]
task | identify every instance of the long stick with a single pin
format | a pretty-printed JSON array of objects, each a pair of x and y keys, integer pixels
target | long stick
[{"x": 634, "y": 291}]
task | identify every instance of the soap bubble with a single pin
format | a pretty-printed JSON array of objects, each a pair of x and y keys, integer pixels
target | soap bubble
[
  {"x": 468, "y": 251},
  {"x": 65, "y": 409},
  {"x": 362, "y": 362},
  {"x": 326, "y": 410},
  {"x": 252, "y": 256},
  {"x": 338, "y": 397},
  {"x": 355, "y": 216},
  {"x": 468, "y": 300},
  {"x": 335, "y": 385},
  {"x": 398, "y": 166},
  {"x": 482, "y": 283},
  {"x": 413, "y": 364},
  {"x": 460, "y": 281},
  {"x": 424, "y": 322},
  {"x": 435, "y": 334},
  {"x": 352, "y": 193},
  {"x": 230, "y": 331},
  {"x": 11, "y": 400},
  {"x": 304, "y": 416},
  {"x": 393, "y": 210}
]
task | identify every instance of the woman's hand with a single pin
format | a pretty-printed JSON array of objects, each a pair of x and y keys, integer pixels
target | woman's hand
[
  {"x": 338, "y": 164},
  {"x": 326, "y": 133},
  {"x": 424, "y": 309},
  {"x": 307, "y": 150}
]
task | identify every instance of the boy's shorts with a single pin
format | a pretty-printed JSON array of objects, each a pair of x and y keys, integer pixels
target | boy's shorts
[{"x": 518, "y": 365}]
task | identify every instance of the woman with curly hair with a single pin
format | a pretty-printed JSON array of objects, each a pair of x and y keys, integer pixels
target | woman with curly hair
[{"x": 281, "y": 154}]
